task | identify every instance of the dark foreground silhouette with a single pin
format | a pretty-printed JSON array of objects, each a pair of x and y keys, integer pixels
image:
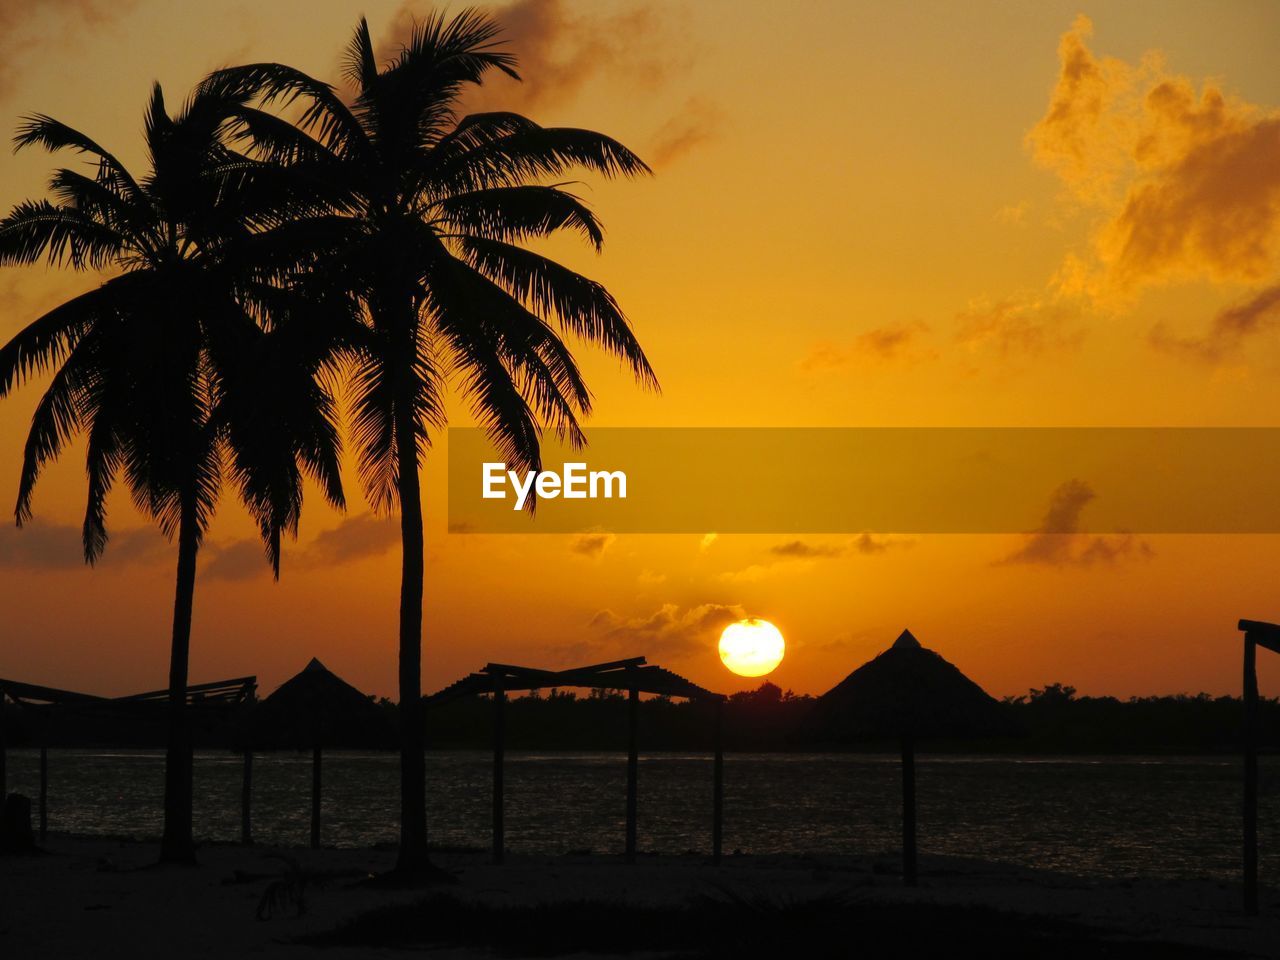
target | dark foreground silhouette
[{"x": 730, "y": 926}]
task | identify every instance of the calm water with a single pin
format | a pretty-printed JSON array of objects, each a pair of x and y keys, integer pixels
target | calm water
[{"x": 1161, "y": 817}]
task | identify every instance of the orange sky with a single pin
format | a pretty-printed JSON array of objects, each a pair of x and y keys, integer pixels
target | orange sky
[{"x": 978, "y": 214}]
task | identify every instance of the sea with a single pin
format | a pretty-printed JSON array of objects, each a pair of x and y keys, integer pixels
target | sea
[{"x": 1101, "y": 817}]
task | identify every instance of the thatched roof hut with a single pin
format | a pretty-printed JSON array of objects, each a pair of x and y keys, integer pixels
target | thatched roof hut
[
  {"x": 907, "y": 692},
  {"x": 317, "y": 708},
  {"x": 907, "y": 689}
]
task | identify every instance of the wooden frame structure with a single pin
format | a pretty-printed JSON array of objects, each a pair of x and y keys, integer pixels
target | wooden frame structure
[
  {"x": 632, "y": 675},
  {"x": 49, "y": 702},
  {"x": 1265, "y": 635}
]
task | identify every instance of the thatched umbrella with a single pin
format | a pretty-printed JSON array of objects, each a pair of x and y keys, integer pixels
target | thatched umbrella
[
  {"x": 906, "y": 693},
  {"x": 317, "y": 709}
]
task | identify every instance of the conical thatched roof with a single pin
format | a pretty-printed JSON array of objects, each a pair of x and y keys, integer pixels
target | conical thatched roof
[
  {"x": 319, "y": 708},
  {"x": 906, "y": 690}
]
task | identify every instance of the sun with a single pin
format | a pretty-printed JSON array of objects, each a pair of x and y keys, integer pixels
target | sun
[{"x": 752, "y": 647}]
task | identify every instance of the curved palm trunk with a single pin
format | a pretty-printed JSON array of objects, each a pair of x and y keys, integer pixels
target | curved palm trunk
[
  {"x": 177, "y": 845},
  {"x": 413, "y": 789}
]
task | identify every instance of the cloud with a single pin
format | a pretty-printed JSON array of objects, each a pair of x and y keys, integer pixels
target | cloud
[
  {"x": 1019, "y": 325},
  {"x": 1229, "y": 330},
  {"x": 40, "y": 545},
  {"x": 866, "y": 543},
  {"x": 802, "y": 554},
  {"x": 1185, "y": 178},
  {"x": 234, "y": 561},
  {"x": 1014, "y": 214},
  {"x": 1059, "y": 543},
  {"x": 696, "y": 123},
  {"x": 707, "y": 540},
  {"x": 798, "y": 549},
  {"x": 561, "y": 49},
  {"x": 26, "y": 30},
  {"x": 592, "y": 545},
  {"x": 669, "y": 633},
  {"x": 355, "y": 538},
  {"x": 891, "y": 342}
]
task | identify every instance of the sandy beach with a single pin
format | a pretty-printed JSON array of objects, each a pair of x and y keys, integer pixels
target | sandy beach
[{"x": 94, "y": 897}]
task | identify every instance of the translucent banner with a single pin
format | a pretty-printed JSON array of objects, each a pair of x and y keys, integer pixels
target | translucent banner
[{"x": 880, "y": 480}]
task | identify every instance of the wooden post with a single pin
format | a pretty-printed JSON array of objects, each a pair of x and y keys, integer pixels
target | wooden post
[
  {"x": 717, "y": 787},
  {"x": 633, "y": 767},
  {"x": 246, "y": 797},
  {"x": 499, "y": 750},
  {"x": 4, "y": 792},
  {"x": 1250, "y": 776},
  {"x": 315, "y": 799},
  {"x": 908, "y": 810},
  {"x": 44, "y": 792}
]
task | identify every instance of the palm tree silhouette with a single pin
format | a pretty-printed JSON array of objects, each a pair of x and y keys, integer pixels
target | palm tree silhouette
[
  {"x": 426, "y": 236},
  {"x": 189, "y": 356}
]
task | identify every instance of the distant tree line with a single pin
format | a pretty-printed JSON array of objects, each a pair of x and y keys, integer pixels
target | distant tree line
[
  {"x": 1052, "y": 719},
  {"x": 1048, "y": 720}
]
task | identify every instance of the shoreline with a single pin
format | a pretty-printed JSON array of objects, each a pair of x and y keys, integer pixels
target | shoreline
[{"x": 122, "y": 902}]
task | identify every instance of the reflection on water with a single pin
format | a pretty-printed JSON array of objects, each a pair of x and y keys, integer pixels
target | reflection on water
[{"x": 1115, "y": 817}]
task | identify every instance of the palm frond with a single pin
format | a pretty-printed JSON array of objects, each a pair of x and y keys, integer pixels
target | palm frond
[
  {"x": 580, "y": 305},
  {"x": 518, "y": 213},
  {"x": 41, "y": 130},
  {"x": 36, "y": 228},
  {"x": 45, "y": 342}
]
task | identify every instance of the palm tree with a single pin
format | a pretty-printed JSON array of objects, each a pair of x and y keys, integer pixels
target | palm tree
[
  {"x": 188, "y": 356},
  {"x": 426, "y": 235}
]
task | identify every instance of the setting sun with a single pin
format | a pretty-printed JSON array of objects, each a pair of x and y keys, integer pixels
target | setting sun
[{"x": 752, "y": 647}]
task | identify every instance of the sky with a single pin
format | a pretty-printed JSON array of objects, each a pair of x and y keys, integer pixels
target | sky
[{"x": 923, "y": 214}]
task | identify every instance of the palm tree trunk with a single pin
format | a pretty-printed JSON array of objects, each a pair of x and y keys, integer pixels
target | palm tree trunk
[
  {"x": 177, "y": 845},
  {"x": 413, "y": 789}
]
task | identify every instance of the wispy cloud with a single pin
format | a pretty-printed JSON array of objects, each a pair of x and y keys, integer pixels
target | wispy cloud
[
  {"x": 668, "y": 633},
  {"x": 565, "y": 48},
  {"x": 30, "y": 30},
  {"x": 1058, "y": 541},
  {"x": 40, "y": 545},
  {"x": 803, "y": 553},
  {"x": 592, "y": 545},
  {"x": 890, "y": 342},
  {"x": 1019, "y": 325},
  {"x": 1229, "y": 332},
  {"x": 799, "y": 549},
  {"x": 695, "y": 124}
]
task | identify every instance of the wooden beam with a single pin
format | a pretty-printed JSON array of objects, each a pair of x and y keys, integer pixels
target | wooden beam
[
  {"x": 246, "y": 797},
  {"x": 499, "y": 756},
  {"x": 1250, "y": 775},
  {"x": 1264, "y": 634},
  {"x": 717, "y": 786},
  {"x": 315, "y": 799},
  {"x": 228, "y": 689},
  {"x": 32, "y": 691},
  {"x": 633, "y": 766},
  {"x": 909, "y": 810}
]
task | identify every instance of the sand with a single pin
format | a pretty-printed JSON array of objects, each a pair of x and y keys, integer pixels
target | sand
[{"x": 95, "y": 897}]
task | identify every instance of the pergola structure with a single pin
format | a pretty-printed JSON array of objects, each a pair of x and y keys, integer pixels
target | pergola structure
[
  {"x": 1265, "y": 635},
  {"x": 63, "y": 710},
  {"x": 632, "y": 675}
]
